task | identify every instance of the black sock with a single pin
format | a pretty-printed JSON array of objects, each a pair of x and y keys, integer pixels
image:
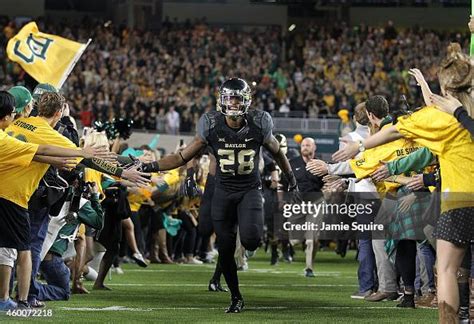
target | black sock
[
  {"x": 216, "y": 277},
  {"x": 230, "y": 274}
]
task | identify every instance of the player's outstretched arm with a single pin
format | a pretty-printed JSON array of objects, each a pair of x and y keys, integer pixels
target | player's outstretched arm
[
  {"x": 273, "y": 147},
  {"x": 176, "y": 160},
  {"x": 131, "y": 174}
]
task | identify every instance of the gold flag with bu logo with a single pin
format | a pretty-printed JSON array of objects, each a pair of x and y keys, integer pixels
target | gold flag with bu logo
[{"x": 47, "y": 58}]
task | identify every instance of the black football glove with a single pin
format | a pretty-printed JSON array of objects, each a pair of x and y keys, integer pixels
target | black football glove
[
  {"x": 135, "y": 163},
  {"x": 190, "y": 188},
  {"x": 295, "y": 194}
]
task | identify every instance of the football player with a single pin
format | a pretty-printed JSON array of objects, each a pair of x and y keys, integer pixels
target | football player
[{"x": 234, "y": 135}]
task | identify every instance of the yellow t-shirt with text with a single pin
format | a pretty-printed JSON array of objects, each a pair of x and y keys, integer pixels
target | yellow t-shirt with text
[
  {"x": 370, "y": 159},
  {"x": 443, "y": 135},
  {"x": 15, "y": 152},
  {"x": 24, "y": 181}
]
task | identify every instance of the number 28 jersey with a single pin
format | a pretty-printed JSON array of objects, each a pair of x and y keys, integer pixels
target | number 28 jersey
[{"x": 236, "y": 151}]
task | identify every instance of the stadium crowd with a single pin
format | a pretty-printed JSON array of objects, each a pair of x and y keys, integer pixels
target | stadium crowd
[
  {"x": 106, "y": 210},
  {"x": 165, "y": 80}
]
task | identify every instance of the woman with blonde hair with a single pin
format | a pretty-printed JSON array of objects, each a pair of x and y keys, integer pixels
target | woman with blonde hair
[{"x": 456, "y": 75}]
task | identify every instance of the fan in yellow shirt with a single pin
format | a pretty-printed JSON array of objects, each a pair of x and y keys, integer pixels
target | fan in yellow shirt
[
  {"x": 443, "y": 135},
  {"x": 25, "y": 181},
  {"x": 14, "y": 223},
  {"x": 15, "y": 152},
  {"x": 370, "y": 160},
  {"x": 12, "y": 151},
  {"x": 39, "y": 130}
]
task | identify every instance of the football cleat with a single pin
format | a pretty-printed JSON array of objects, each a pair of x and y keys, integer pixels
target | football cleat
[
  {"x": 236, "y": 306},
  {"x": 309, "y": 273},
  {"x": 216, "y": 286}
]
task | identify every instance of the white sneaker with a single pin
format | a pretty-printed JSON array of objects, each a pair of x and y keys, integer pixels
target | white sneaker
[
  {"x": 213, "y": 253},
  {"x": 138, "y": 258},
  {"x": 118, "y": 270},
  {"x": 209, "y": 258},
  {"x": 193, "y": 261},
  {"x": 91, "y": 274},
  {"x": 243, "y": 267}
]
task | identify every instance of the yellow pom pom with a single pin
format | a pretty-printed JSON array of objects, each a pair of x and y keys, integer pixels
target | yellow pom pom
[{"x": 298, "y": 138}]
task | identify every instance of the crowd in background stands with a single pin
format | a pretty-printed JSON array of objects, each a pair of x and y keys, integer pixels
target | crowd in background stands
[{"x": 164, "y": 80}]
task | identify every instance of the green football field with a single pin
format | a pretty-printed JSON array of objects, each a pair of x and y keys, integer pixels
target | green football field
[{"x": 178, "y": 294}]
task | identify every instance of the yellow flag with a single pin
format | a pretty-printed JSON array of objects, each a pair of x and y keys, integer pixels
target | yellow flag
[{"x": 47, "y": 58}]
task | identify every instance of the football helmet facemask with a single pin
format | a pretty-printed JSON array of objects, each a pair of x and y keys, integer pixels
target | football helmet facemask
[{"x": 235, "y": 97}]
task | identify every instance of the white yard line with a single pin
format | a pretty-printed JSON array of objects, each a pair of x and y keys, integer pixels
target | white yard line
[
  {"x": 271, "y": 271},
  {"x": 131, "y": 309},
  {"x": 205, "y": 285}
]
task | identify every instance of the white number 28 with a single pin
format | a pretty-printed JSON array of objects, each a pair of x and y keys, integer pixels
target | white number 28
[{"x": 245, "y": 158}]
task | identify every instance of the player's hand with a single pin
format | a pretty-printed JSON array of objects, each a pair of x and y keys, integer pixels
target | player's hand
[
  {"x": 447, "y": 104},
  {"x": 139, "y": 178},
  {"x": 416, "y": 182},
  {"x": 295, "y": 194},
  {"x": 347, "y": 152},
  {"x": 381, "y": 173},
  {"x": 317, "y": 167},
  {"x": 405, "y": 203},
  {"x": 63, "y": 163},
  {"x": 190, "y": 188},
  {"x": 471, "y": 25}
]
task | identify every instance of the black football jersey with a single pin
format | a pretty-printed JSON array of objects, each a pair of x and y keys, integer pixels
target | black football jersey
[{"x": 236, "y": 150}]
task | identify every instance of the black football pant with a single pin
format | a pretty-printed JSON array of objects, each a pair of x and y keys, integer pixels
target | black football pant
[
  {"x": 205, "y": 226},
  {"x": 229, "y": 210}
]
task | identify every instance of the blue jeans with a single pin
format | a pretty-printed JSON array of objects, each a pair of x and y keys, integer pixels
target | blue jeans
[
  {"x": 366, "y": 271},
  {"x": 39, "y": 221},
  {"x": 57, "y": 275},
  {"x": 425, "y": 260}
]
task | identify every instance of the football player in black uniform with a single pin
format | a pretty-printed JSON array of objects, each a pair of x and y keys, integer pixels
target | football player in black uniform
[{"x": 234, "y": 135}]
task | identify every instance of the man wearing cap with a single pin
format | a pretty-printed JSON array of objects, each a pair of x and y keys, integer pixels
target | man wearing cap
[
  {"x": 23, "y": 101},
  {"x": 16, "y": 154},
  {"x": 38, "y": 92}
]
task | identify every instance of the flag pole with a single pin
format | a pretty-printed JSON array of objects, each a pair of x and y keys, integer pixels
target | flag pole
[
  {"x": 471, "y": 52},
  {"x": 73, "y": 63}
]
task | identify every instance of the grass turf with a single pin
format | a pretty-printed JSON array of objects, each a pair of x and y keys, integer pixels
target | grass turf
[{"x": 276, "y": 294}]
